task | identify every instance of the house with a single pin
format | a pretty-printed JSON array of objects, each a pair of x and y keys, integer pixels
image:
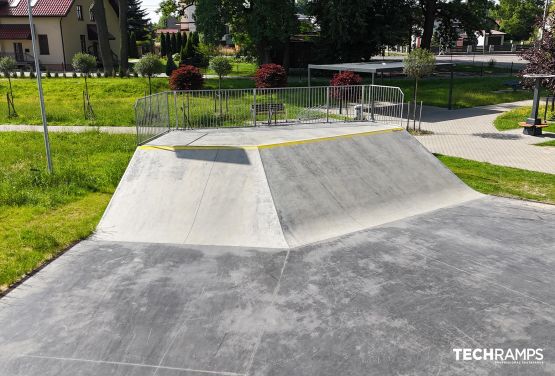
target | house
[
  {"x": 483, "y": 38},
  {"x": 63, "y": 28}
]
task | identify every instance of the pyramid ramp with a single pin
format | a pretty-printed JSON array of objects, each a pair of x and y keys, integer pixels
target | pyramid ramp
[{"x": 275, "y": 188}]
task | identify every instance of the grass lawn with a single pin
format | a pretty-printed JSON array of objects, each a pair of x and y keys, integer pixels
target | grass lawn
[
  {"x": 42, "y": 214},
  {"x": 113, "y": 98},
  {"x": 548, "y": 143},
  {"x": 503, "y": 181},
  {"x": 510, "y": 119}
]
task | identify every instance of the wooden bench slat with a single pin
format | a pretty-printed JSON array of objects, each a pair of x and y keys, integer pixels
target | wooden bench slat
[{"x": 526, "y": 125}]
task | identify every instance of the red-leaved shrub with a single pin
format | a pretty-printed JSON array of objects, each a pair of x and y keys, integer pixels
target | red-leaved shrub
[
  {"x": 270, "y": 75},
  {"x": 346, "y": 79},
  {"x": 186, "y": 77}
]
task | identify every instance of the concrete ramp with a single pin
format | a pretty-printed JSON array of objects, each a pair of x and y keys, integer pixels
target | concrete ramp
[
  {"x": 326, "y": 189},
  {"x": 309, "y": 185}
]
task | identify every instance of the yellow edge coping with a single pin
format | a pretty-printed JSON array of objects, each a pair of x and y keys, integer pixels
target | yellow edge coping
[{"x": 265, "y": 146}]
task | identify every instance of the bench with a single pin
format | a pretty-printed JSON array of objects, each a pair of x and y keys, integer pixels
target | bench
[
  {"x": 514, "y": 84},
  {"x": 272, "y": 109},
  {"x": 533, "y": 130}
]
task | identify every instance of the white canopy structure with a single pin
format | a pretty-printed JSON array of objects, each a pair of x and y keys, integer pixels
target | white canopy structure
[{"x": 369, "y": 67}]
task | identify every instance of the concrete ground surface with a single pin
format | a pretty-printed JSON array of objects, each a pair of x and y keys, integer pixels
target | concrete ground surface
[{"x": 457, "y": 271}]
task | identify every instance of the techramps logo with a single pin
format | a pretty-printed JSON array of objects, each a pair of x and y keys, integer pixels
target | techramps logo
[{"x": 501, "y": 356}]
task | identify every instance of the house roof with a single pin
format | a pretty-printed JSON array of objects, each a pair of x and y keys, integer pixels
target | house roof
[
  {"x": 16, "y": 31},
  {"x": 41, "y": 8}
]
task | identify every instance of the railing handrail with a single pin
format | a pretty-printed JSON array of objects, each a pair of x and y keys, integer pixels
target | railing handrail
[{"x": 263, "y": 89}]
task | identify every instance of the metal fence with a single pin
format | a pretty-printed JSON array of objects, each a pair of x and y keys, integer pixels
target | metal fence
[{"x": 160, "y": 113}]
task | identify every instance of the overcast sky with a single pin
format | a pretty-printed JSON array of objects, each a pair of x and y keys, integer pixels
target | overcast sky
[{"x": 151, "y": 6}]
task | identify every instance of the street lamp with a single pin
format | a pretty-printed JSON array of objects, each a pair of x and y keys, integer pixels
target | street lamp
[{"x": 39, "y": 84}]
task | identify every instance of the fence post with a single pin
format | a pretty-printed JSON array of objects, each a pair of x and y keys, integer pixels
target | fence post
[
  {"x": 372, "y": 104},
  {"x": 254, "y": 106},
  {"x": 328, "y": 104},
  {"x": 175, "y": 108},
  {"x": 362, "y": 103},
  {"x": 168, "y": 110}
]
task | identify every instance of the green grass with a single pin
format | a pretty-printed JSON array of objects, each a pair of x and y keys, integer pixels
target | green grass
[
  {"x": 503, "y": 181},
  {"x": 548, "y": 143},
  {"x": 113, "y": 98},
  {"x": 240, "y": 69},
  {"x": 510, "y": 119},
  {"x": 42, "y": 214}
]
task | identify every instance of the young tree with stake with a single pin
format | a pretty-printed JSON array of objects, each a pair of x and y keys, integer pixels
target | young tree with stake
[
  {"x": 418, "y": 63},
  {"x": 85, "y": 64},
  {"x": 7, "y": 65}
]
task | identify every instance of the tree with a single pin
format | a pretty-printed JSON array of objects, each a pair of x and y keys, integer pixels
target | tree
[
  {"x": 541, "y": 58},
  {"x": 187, "y": 52},
  {"x": 137, "y": 18},
  {"x": 133, "y": 53},
  {"x": 103, "y": 36},
  {"x": 359, "y": 29},
  {"x": 418, "y": 63},
  {"x": 222, "y": 67},
  {"x": 163, "y": 49},
  {"x": 179, "y": 41},
  {"x": 262, "y": 26},
  {"x": 170, "y": 65},
  {"x": 518, "y": 17},
  {"x": 174, "y": 44},
  {"x": 7, "y": 66},
  {"x": 124, "y": 41},
  {"x": 148, "y": 66},
  {"x": 471, "y": 16},
  {"x": 85, "y": 64}
]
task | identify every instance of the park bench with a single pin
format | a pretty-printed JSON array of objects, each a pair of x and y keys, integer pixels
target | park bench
[
  {"x": 514, "y": 84},
  {"x": 533, "y": 130},
  {"x": 272, "y": 109}
]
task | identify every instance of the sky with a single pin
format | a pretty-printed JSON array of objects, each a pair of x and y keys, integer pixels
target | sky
[{"x": 151, "y": 6}]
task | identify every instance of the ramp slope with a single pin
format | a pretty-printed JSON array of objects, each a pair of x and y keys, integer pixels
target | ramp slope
[
  {"x": 206, "y": 197},
  {"x": 309, "y": 186},
  {"x": 326, "y": 189}
]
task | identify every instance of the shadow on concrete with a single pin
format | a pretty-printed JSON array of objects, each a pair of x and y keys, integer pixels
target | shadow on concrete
[
  {"x": 499, "y": 136},
  {"x": 231, "y": 155}
]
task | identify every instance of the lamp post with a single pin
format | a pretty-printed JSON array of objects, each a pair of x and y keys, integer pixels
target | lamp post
[{"x": 39, "y": 85}]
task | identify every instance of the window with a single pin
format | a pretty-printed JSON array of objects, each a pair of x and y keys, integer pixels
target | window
[
  {"x": 83, "y": 44},
  {"x": 79, "y": 12},
  {"x": 43, "y": 44},
  {"x": 91, "y": 15}
]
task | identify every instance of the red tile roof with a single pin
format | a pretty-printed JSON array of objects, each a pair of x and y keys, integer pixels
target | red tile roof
[
  {"x": 15, "y": 32},
  {"x": 42, "y": 8}
]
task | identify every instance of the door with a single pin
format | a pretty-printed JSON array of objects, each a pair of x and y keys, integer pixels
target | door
[{"x": 18, "y": 52}]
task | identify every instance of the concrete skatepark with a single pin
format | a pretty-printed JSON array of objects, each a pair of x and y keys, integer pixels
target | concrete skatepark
[{"x": 310, "y": 250}]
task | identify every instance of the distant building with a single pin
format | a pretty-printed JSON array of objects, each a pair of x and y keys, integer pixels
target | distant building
[{"x": 63, "y": 28}]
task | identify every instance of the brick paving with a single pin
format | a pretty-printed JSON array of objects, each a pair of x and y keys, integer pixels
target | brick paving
[{"x": 470, "y": 134}]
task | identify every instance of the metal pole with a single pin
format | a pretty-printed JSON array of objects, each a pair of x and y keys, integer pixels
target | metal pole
[
  {"x": 39, "y": 85},
  {"x": 175, "y": 109},
  {"x": 450, "y": 106},
  {"x": 309, "y": 76}
]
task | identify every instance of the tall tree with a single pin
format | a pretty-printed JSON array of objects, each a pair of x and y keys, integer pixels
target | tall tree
[
  {"x": 174, "y": 44},
  {"x": 124, "y": 37},
  {"x": 179, "y": 41},
  {"x": 541, "y": 58},
  {"x": 163, "y": 47},
  {"x": 133, "y": 53},
  {"x": 137, "y": 18},
  {"x": 358, "y": 29},
  {"x": 103, "y": 36},
  {"x": 265, "y": 26},
  {"x": 517, "y": 17},
  {"x": 472, "y": 16}
]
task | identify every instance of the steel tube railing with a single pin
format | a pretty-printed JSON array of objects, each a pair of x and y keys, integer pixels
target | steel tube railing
[{"x": 158, "y": 113}]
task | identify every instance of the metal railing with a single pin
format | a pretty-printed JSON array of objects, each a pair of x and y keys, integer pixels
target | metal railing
[{"x": 162, "y": 112}]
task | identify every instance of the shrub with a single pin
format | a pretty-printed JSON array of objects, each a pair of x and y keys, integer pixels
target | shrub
[
  {"x": 270, "y": 75},
  {"x": 56, "y": 75},
  {"x": 170, "y": 66},
  {"x": 346, "y": 79},
  {"x": 186, "y": 77},
  {"x": 491, "y": 63}
]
